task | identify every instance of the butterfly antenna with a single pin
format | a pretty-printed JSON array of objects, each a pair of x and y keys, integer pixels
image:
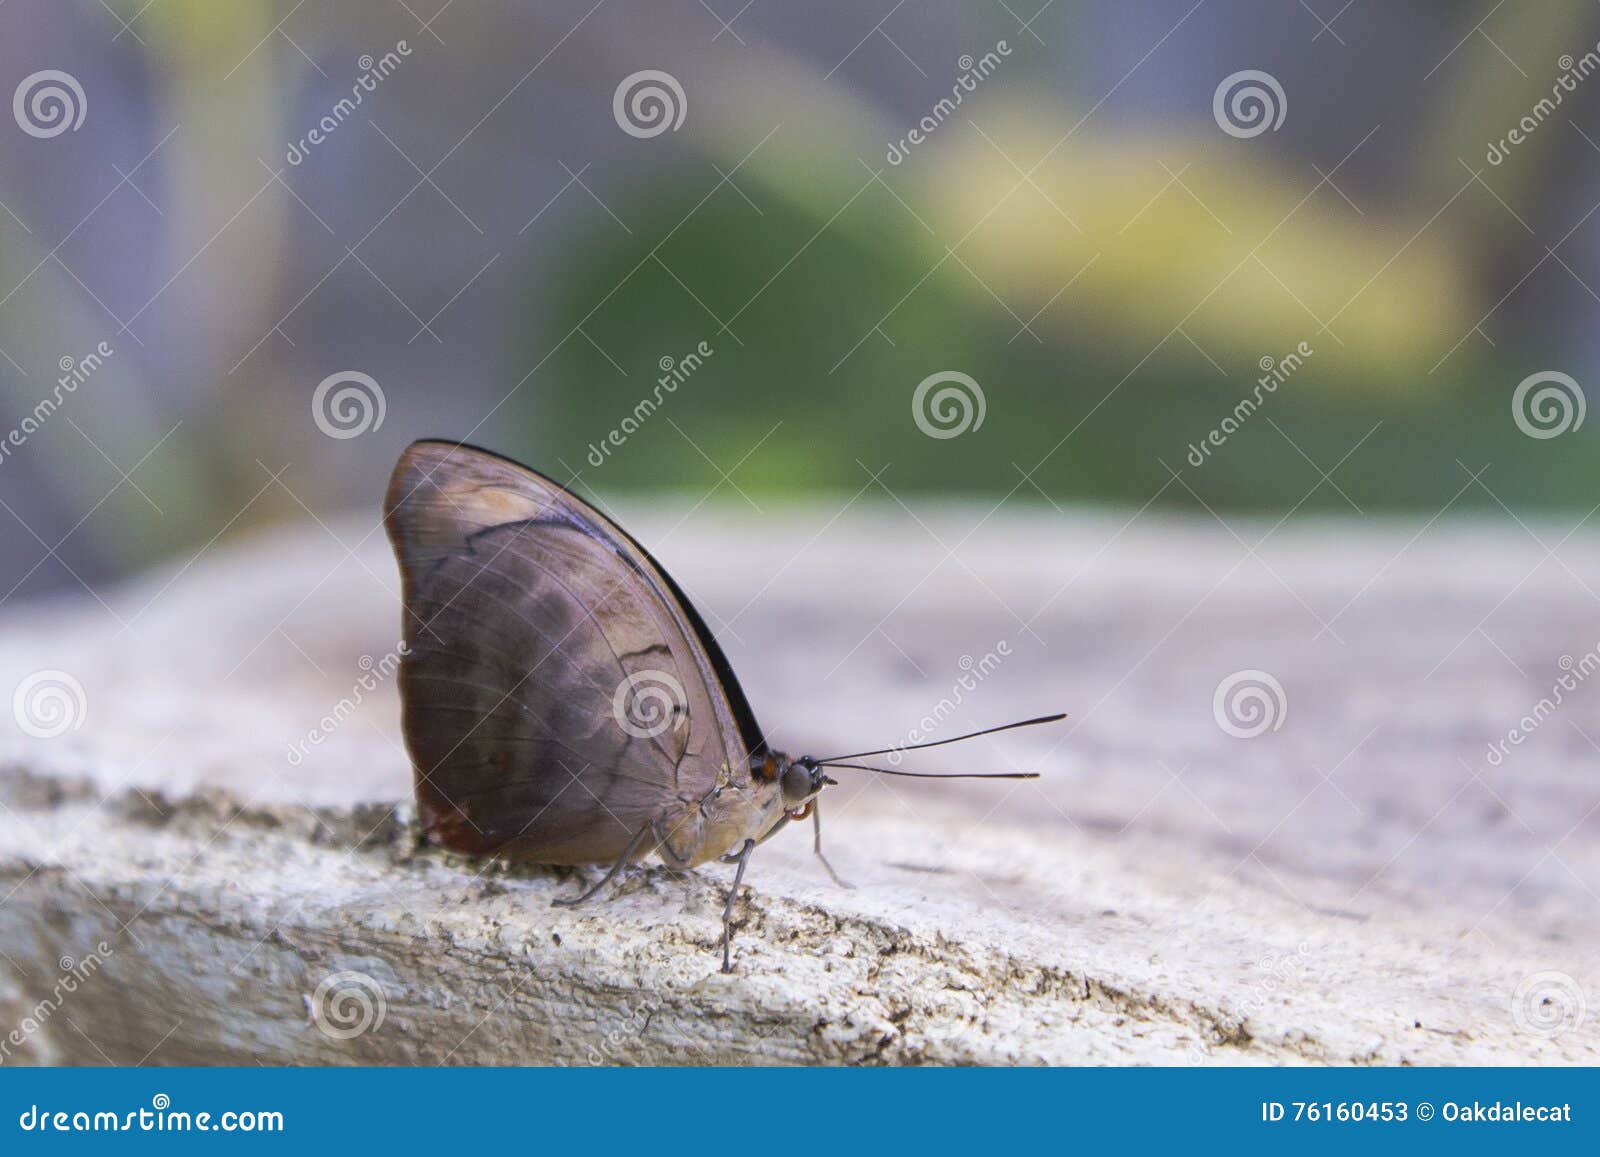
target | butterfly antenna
[
  {"x": 942, "y": 742},
  {"x": 940, "y": 774}
]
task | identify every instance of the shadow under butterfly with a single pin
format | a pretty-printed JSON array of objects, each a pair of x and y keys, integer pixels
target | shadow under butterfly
[{"x": 563, "y": 702}]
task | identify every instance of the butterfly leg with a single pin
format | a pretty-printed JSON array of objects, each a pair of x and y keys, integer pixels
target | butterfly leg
[
  {"x": 727, "y": 909},
  {"x": 616, "y": 868},
  {"x": 816, "y": 846}
]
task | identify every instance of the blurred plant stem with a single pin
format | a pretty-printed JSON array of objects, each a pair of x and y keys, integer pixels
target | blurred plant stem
[{"x": 1465, "y": 100}]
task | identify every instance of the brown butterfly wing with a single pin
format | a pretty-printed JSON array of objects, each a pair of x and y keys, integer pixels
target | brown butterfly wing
[{"x": 557, "y": 693}]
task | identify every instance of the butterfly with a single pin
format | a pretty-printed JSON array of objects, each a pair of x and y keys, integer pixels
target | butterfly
[{"x": 562, "y": 700}]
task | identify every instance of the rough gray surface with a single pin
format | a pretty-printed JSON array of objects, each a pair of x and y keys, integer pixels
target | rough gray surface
[{"x": 1359, "y": 885}]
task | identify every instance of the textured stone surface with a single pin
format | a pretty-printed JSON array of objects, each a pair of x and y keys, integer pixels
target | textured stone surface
[{"x": 1361, "y": 884}]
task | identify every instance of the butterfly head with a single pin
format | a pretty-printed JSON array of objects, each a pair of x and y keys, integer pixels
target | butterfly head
[{"x": 799, "y": 780}]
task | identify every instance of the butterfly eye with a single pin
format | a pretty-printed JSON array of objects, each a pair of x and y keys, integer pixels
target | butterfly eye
[{"x": 797, "y": 785}]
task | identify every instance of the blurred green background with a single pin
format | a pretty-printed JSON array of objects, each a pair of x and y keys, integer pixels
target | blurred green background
[{"x": 1082, "y": 237}]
